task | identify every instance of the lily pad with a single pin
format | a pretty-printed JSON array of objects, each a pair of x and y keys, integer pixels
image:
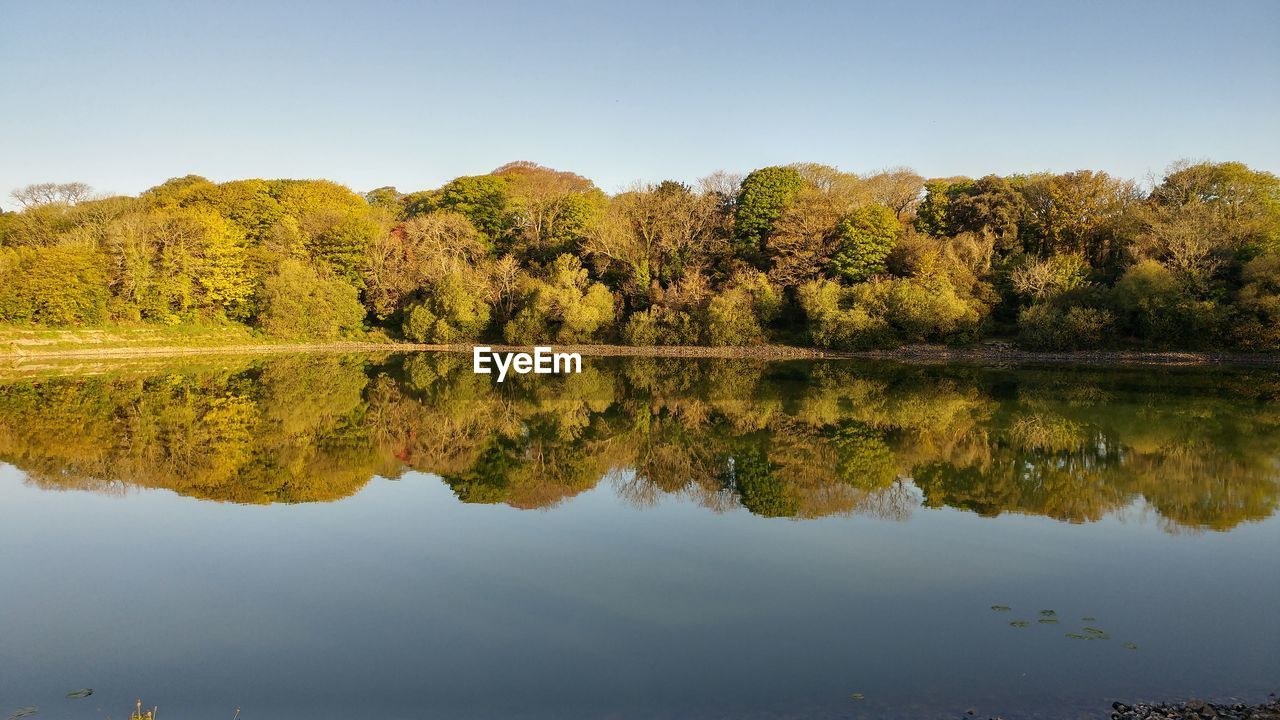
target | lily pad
[
  {"x": 1000, "y": 608},
  {"x": 1130, "y": 646},
  {"x": 1078, "y": 636},
  {"x": 1048, "y": 621},
  {"x": 1098, "y": 633},
  {"x": 81, "y": 693},
  {"x": 1088, "y": 619},
  {"x": 858, "y": 696},
  {"x": 1048, "y": 613},
  {"x": 23, "y": 712},
  {"x": 1019, "y": 623}
]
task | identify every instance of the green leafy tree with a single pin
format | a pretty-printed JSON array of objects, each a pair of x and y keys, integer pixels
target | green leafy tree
[
  {"x": 933, "y": 216},
  {"x": 563, "y": 306},
  {"x": 762, "y": 197},
  {"x": 864, "y": 239},
  {"x": 452, "y": 311},
  {"x": 55, "y": 286},
  {"x": 484, "y": 199},
  {"x": 298, "y": 301},
  {"x": 990, "y": 207}
]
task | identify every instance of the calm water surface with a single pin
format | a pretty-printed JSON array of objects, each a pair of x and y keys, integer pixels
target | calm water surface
[{"x": 345, "y": 536}]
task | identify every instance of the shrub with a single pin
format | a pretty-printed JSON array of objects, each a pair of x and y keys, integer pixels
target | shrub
[
  {"x": 1048, "y": 326},
  {"x": 1039, "y": 280},
  {"x": 1257, "y": 320},
  {"x": 929, "y": 309},
  {"x": 739, "y": 314},
  {"x": 564, "y": 307},
  {"x": 298, "y": 301},
  {"x": 731, "y": 321},
  {"x": 864, "y": 239},
  {"x": 831, "y": 325},
  {"x": 451, "y": 312},
  {"x": 1158, "y": 309},
  {"x": 641, "y": 329},
  {"x": 52, "y": 286}
]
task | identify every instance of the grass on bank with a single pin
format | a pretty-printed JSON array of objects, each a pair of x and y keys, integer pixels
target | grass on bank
[{"x": 24, "y": 340}]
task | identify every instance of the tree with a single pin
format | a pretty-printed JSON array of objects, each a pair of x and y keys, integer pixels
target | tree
[
  {"x": 804, "y": 237},
  {"x": 387, "y": 198},
  {"x": 452, "y": 310},
  {"x": 564, "y": 306},
  {"x": 989, "y": 207},
  {"x": 653, "y": 234},
  {"x": 898, "y": 189},
  {"x": 864, "y": 239},
  {"x": 51, "y": 194},
  {"x": 1246, "y": 201},
  {"x": 418, "y": 252},
  {"x": 933, "y": 216},
  {"x": 764, "y": 194},
  {"x": 1076, "y": 212},
  {"x": 483, "y": 199},
  {"x": 1205, "y": 221},
  {"x": 52, "y": 286},
  {"x": 1258, "y": 327},
  {"x": 551, "y": 209},
  {"x": 299, "y": 301}
]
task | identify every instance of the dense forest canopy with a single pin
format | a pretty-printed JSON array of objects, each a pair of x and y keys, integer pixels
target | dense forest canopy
[{"x": 801, "y": 254}]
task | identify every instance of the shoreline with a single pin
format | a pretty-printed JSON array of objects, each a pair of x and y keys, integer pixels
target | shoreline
[{"x": 990, "y": 353}]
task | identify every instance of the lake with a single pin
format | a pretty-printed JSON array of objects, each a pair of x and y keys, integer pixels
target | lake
[{"x": 349, "y": 536}]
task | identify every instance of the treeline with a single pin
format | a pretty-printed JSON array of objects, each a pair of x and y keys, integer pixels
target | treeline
[
  {"x": 800, "y": 254},
  {"x": 777, "y": 439}
]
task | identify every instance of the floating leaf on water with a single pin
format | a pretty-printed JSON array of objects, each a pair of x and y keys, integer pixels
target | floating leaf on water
[
  {"x": 1019, "y": 623},
  {"x": 1048, "y": 613},
  {"x": 23, "y": 712},
  {"x": 1097, "y": 632},
  {"x": 81, "y": 693},
  {"x": 1088, "y": 619},
  {"x": 1000, "y": 608},
  {"x": 1130, "y": 646},
  {"x": 1078, "y": 636},
  {"x": 858, "y": 696},
  {"x": 1048, "y": 621}
]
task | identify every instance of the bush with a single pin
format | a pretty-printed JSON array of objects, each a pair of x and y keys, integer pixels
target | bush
[
  {"x": 52, "y": 286},
  {"x": 1159, "y": 310},
  {"x": 1257, "y": 321},
  {"x": 450, "y": 313},
  {"x": 660, "y": 325},
  {"x": 864, "y": 239},
  {"x": 731, "y": 320},
  {"x": 929, "y": 309},
  {"x": 641, "y": 329},
  {"x": 739, "y": 314},
  {"x": 841, "y": 328},
  {"x": 297, "y": 301},
  {"x": 565, "y": 307},
  {"x": 1047, "y": 326},
  {"x": 1039, "y": 280}
]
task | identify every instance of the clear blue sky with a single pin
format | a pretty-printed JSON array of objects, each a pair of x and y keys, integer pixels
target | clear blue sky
[{"x": 123, "y": 95}]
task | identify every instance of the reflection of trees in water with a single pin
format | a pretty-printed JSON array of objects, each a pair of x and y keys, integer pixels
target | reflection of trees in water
[{"x": 780, "y": 439}]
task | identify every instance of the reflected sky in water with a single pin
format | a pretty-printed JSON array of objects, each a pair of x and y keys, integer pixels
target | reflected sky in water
[{"x": 647, "y": 540}]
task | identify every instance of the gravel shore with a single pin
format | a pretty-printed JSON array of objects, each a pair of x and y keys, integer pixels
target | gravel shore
[{"x": 1197, "y": 710}]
